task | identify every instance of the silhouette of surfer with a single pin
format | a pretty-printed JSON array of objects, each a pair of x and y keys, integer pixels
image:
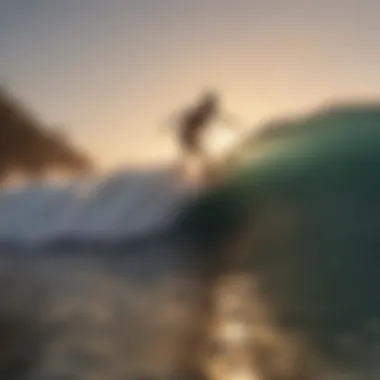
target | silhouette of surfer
[{"x": 194, "y": 122}]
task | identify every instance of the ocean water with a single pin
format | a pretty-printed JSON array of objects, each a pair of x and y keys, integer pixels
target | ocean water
[
  {"x": 121, "y": 205},
  {"x": 98, "y": 281},
  {"x": 97, "y": 284},
  {"x": 131, "y": 312}
]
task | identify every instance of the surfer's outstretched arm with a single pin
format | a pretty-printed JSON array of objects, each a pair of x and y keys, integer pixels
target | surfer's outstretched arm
[{"x": 231, "y": 121}]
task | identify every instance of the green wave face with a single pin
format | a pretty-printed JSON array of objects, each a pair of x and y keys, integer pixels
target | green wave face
[{"x": 311, "y": 194}]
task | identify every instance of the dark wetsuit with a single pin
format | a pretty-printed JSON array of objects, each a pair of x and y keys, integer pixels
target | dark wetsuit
[{"x": 193, "y": 124}]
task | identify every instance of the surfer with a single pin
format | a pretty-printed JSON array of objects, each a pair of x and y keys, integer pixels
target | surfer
[{"x": 194, "y": 122}]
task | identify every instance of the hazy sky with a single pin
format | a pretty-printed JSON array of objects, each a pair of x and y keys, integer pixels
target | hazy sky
[{"x": 112, "y": 70}]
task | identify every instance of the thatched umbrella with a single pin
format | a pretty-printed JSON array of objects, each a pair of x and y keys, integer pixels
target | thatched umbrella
[{"x": 27, "y": 146}]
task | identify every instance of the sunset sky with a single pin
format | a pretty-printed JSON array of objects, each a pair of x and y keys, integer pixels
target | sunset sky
[{"x": 113, "y": 70}]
